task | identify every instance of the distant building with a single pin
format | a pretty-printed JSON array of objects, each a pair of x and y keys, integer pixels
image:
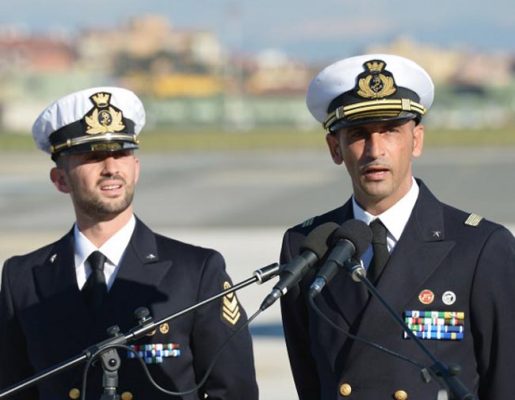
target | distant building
[
  {"x": 450, "y": 66},
  {"x": 275, "y": 74},
  {"x": 28, "y": 66},
  {"x": 483, "y": 70},
  {"x": 151, "y": 57},
  {"x": 149, "y": 42},
  {"x": 19, "y": 51},
  {"x": 188, "y": 78}
]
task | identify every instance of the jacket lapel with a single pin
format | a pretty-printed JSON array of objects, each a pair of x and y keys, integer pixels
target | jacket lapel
[
  {"x": 139, "y": 277},
  {"x": 418, "y": 254},
  {"x": 56, "y": 283},
  {"x": 141, "y": 261},
  {"x": 348, "y": 296},
  {"x": 56, "y": 274}
]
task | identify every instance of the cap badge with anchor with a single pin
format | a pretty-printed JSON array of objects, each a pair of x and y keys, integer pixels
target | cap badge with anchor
[
  {"x": 104, "y": 117},
  {"x": 374, "y": 83}
]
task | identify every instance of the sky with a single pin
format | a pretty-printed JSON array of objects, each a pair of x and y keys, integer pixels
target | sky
[{"x": 309, "y": 30}]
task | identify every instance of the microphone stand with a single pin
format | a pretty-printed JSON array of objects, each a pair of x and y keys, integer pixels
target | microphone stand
[
  {"x": 110, "y": 359},
  {"x": 110, "y": 365},
  {"x": 458, "y": 390}
]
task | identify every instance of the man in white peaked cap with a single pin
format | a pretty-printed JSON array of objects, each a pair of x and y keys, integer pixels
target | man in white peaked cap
[
  {"x": 448, "y": 274},
  {"x": 59, "y": 300}
]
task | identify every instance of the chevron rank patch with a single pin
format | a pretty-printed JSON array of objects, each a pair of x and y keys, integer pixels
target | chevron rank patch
[
  {"x": 230, "y": 306},
  {"x": 473, "y": 220}
]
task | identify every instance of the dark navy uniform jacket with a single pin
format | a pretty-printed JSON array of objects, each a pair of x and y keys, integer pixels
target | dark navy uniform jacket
[
  {"x": 44, "y": 320},
  {"x": 445, "y": 260}
]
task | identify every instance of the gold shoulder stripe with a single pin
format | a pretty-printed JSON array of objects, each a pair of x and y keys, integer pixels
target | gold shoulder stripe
[
  {"x": 307, "y": 222},
  {"x": 473, "y": 220},
  {"x": 230, "y": 307}
]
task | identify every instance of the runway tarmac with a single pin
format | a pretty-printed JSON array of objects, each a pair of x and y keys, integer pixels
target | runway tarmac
[{"x": 252, "y": 189}]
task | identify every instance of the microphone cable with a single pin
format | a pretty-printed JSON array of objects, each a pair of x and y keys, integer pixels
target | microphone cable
[
  {"x": 366, "y": 341},
  {"x": 147, "y": 372}
]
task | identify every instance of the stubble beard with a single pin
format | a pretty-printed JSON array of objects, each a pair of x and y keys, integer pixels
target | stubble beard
[
  {"x": 369, "y": 193},
  {"x": 101, "y": 209}
]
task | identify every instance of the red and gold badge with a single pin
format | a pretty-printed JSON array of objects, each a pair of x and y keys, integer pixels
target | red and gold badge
[{"x": 426, "y": 296}]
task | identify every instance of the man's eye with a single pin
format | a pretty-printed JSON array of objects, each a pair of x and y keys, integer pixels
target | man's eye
[
  {"x": 121, "y": 154},
  {"x": 356, "y": 134},
  {"x": 393, "y": 128}
]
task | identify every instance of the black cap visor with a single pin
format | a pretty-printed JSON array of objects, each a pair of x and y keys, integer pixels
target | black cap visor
[{"x": 110, "y": 146}]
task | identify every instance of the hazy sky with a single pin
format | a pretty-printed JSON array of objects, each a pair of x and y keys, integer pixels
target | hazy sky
[{"x": 305, "y": 29}]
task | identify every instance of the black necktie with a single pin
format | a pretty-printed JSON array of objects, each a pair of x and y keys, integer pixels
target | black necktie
[
  {"x": 380, "y": 249},
  {"x": 95, "y": 288}
]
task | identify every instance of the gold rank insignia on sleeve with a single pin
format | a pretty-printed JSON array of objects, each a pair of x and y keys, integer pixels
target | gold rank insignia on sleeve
[
  {"x": 473, "y": 220},
  {"x": 230, "y": 306}
]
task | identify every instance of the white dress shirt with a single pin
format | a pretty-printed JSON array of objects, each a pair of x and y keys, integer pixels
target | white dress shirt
[
  {"x": 394, "y": 219},
  {"x": 113, "y": 249}
]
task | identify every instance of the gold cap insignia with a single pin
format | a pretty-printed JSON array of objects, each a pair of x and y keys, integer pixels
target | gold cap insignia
[
  {"x": 375, "y": 83},
  {"x": 104, "y": 117},
  {"x": 230, "y": 306}
]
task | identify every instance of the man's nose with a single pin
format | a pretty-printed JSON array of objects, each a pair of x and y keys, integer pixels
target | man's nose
[
  {"x": 110, "y": 165},
  {"x": 374, "y": 145}
]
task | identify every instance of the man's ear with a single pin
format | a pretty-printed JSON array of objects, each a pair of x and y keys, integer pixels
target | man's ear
[
  {"x": 138, "y": 167},
  {"x": 333, "y": 142},
  {"x": 418, "y": 140},
  {"x": 58, "y": 178}
]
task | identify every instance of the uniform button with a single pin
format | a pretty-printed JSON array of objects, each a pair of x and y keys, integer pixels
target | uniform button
[
  {"x": 345, "y": 389},
  {"x": 400, "y": 395},
  {"x": 126, "y": 396},
  {"x": 74, "y": 394}
]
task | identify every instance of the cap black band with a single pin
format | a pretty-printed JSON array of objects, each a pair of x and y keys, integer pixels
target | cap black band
[
  {"x": 350, "y": 109},
  {"x": 78, "y": 129},
  {"x": 351, "y": 97}
]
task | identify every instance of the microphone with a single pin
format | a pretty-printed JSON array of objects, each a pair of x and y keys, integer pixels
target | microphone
[
  {"x": 313, "y": 249},
  {"x": 351, "y": 239}
]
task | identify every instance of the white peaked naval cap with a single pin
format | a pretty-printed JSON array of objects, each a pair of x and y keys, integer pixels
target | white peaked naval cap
[
  {"x": 369, "y": 88},
  {"x": 95, "y": 119}
]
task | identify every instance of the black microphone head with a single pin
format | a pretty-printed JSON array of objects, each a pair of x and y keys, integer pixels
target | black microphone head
[
  {"x": 317, "y": 240},
  {"x": 356, "y": 232}
]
